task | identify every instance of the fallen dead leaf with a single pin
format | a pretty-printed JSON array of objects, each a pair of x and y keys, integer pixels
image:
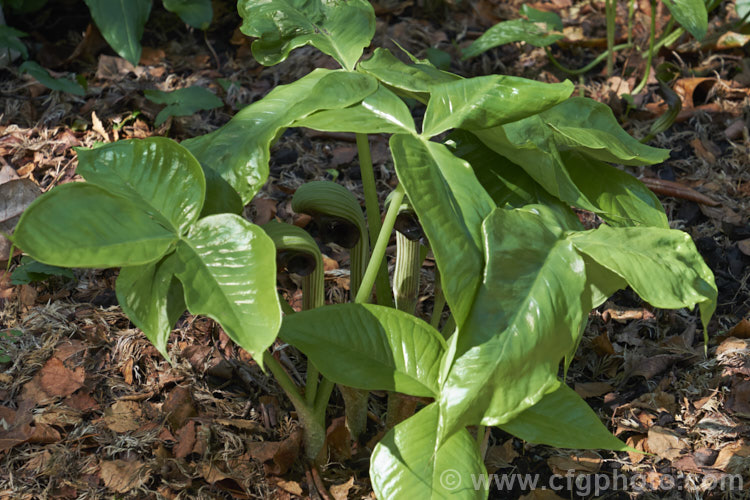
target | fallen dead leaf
[
  {"x": 15, "y": 196},
  {"x": 338, "y": 440},
  {"x": 179, "y": 407},
  {"x": 277, "y": 456},
  {"x": 292, "y": 487},
  {"x": 185, "y": 440},
  {"x": 602, "y": 345},
  {"x": 57, "y": 380},
  {"x": 122, "y": 476},
  {"x": 733, "y": 458},
  {"x": 341, "y": 491},
  {"x": 585, "y": 462},
  {"x": 739, "y": 398},
  {"x": 592, "y": 389},
  {"x": 123, "y": 416},
  {"x": 665, "y": 443},
  {"x": 637, "y": 441},
  {"x": 500, "y": 456},
  {"x": 742, "y": 329}
]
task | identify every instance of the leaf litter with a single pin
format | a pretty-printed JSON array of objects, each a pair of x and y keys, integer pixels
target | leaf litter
[{"x": 88, "y": 407}]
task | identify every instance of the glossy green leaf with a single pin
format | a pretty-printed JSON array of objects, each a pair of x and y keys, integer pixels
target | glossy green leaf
[
  {"x": 374, "y": 347},
  {"x": 591, "y": 128},
  {"x": 525, "y": 318},
  {"x": 382, "y": 112},
  {"x": 451, "y": 205},
  {"x": 583, "y": 125},
  {"x": 221, "y": 197},
  {"x": 417, "y": 78},
  {"x": 42, "y": 76},
  {"x": 504, "y": 181},
  {"x": 239, "y": 151},
  {"x": 182, "y": 102},
  {"x": 620, "y": 198},
  {"x": 564, "y": 420},
  {"x": 196, "y": 13},
  {"x": 121, "y": 23},
  {"x": 404, "y": 464},
  {"x": 551, "y": 19},
  {"x": 152, "y": 298},
  {"x": 10, "y": 39},
  {"x": 156, "y": 174},
  {"x": 691, "y": 14},
  {"x": 341, "y": 29},
  {"x": 661, "y": 265},
  {"x": 81, "y": 225},
  {"x": 534, "y": 33},
  {"x": 227, "y": 267},
  {"x": 31, "y": 271},
  {"x": 743, "y": 9},
  {"x": 488, "y": 101}
]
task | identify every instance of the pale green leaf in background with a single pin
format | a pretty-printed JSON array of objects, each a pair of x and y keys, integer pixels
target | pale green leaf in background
[
  {"x": 374, "y": 347},
  {"x": 60, "y": 84},
  {"x": 534, "y": 33},
  {"x": 182, "y": 102}
]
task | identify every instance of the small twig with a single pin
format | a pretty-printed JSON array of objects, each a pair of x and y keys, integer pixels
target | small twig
[
  {"x": 319, "y": 484},
  {"x": 677, "y": 190}
]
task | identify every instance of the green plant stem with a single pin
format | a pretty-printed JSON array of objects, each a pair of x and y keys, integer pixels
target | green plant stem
[
  {"x": 313, "y": 295},
  {"x": 610, "y": 9},
  {"x": 651, "y": 49},
  {"x": 313, "y": 425},
  {"x": 590, "y": 65},
  {"x": 321, "y": 398},
  {"x": 378, "y": 252},
  {"x": 372, "y": 207}
]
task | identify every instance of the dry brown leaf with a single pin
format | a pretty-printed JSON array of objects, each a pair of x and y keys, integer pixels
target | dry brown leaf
[
  {"x": 500, "y": 456},
  {"x": 739, "y": 398},
  {"x": 593, "y": 389},
  {"x": 665, "y": 443},
  {"x": 98, "y": 127},
  {"x": 185, "y": 440},
  {"x": 123, "y": 416},
  {"x": 731, "y": 40},
  {"x": 265, "y": 210},
  {"x": 57, "y": 380},
  {"x": 602, "y": 345},
  {"x": 292, "y": 487},
  {"x": 338, "y": 440},
  {"x": 733, "y": 458},
  {"x": 585, "y": 462},
  {"x": 341, "y": 491},
  {"x": 637, "y": 441},
  {"x": 742, "y": 329},
  {"x": 15, "y": 196},
  {"x": 277, "y": 456},
  {"x": 122, "y": 476},
  {"x": 179, "y": 407}
]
